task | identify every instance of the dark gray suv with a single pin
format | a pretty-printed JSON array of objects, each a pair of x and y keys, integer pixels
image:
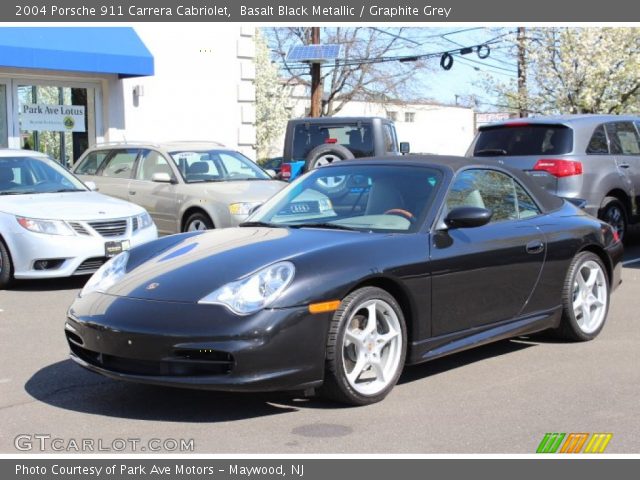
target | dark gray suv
[{"x": 595, "y": 158}]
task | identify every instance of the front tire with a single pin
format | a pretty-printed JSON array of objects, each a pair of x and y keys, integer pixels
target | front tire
[
  {"x": 366, "y": 348},
  {"x": 198, "y": 221},
  {"x": 6, "y": 267},
  {"x": 585, "y": 298}
]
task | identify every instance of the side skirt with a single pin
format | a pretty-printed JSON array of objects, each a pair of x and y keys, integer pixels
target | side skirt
[{"x": 440, "y": 346}]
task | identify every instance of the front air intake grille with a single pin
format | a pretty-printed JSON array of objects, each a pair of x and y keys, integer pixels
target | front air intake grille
[
  {"x": 110, "y": 228},
  {"x": 90, "y": 265},
  {"x": 178, "y": 367},
  {"x": 79, "y": 228}
]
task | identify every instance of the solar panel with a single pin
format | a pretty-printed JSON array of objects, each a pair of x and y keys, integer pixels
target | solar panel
[{"x": 314, "y": 53}]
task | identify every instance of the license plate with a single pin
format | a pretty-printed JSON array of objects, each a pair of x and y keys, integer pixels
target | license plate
[{"x": 114, "y": 248}]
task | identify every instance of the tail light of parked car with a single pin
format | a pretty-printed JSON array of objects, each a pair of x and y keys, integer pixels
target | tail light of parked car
[
  {"x": 285, "y": 171},
  {"x": 559, "y": 167}
]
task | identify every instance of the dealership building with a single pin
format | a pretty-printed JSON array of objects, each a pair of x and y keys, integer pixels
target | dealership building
[{"x": 63, "y": 89}]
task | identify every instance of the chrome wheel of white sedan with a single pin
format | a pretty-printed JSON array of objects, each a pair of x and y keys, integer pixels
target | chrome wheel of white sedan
[
  {"x": 366, "y": 354},
  {"x": 585, "y": 298}
]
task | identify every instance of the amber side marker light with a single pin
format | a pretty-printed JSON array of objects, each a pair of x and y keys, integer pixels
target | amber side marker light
[{"x": 322, "y": 307}]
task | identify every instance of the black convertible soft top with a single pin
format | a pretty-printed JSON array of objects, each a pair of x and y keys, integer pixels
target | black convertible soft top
[{"x": 547, "y": 201}]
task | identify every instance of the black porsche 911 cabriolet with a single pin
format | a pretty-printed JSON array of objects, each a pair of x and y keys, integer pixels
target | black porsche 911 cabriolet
[{"x": 351, "y": 272}]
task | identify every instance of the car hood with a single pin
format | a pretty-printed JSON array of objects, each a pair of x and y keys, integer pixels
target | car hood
[
  {"x": 185, "y": 268},
  {"x": 246, "y": 191},
  {"x": 68, "y": 206}
]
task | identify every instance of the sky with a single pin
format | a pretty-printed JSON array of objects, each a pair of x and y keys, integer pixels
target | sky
[{"x": 465, "y": 78}]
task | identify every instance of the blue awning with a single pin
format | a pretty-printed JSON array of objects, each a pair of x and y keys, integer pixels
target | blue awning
[{"x": 116, "y": 50}]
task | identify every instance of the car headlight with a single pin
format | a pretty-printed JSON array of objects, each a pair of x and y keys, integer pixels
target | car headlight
[
  {"x": 143, "y": 220},
  {"x": 243, "y": 208},
  {"x": 50, "y": 227},
  {"x": 255, "y": 292},
  {"x": 107, "y": 274}
]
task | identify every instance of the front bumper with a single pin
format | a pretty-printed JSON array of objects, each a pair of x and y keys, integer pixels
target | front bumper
[
  {"x": 197, "y": 346},
  {"x": 79, "y": 255}
]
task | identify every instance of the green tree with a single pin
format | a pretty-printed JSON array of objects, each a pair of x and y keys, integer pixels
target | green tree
[{"x": 271, "y": 100}]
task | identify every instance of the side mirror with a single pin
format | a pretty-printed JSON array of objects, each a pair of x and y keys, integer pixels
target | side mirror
[
  {"x": 405, "y": 147},
  {"x": 91, "y": 186},
  {"x": 272, "y": 173},
  {"x": 161, "y": 177},
  {"x": 468, "y": 217}
]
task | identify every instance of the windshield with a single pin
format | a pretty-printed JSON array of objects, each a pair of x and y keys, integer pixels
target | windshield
[
  {"x": 26, "y": 175},
  {"x": 378, "y": 198},
  {"x": 216, "y": 166},
  {"x": 358, "y": 138},
  {"x": 522, "y": 140}
]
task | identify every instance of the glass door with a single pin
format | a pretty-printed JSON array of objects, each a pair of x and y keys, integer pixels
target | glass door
[{"x": 56, "y": 120}]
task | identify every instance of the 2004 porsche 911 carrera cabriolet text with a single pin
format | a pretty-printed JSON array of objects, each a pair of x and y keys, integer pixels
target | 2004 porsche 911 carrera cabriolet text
[{"x": 345, "y": 276}]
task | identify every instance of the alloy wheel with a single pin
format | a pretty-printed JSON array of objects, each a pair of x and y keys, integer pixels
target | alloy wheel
[
  {"x": 590, "y": 296},
  {"x": 614, "y": 216},
  {"x": 372, "y": 347},
  {"x": 196, "y": 225}
]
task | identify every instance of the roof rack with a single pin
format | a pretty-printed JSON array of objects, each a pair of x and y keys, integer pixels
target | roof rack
[
  {"x": 194, "y": 141},
  {"x": 126, "y": 142}
]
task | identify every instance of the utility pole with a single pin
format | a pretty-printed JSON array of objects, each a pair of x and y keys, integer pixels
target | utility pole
[
  {"x": 522, "y": 74},
  {"x": 316, "y": 84}
]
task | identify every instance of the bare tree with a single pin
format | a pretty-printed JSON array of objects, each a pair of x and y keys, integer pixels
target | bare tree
[{"x": 363, "y": 73}]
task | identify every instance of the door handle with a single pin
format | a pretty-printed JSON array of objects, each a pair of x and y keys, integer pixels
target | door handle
[
  {"x": 132, "y": 192},
  {"x": 623, "y": 165},
  {"x": 535, "y": 246}
]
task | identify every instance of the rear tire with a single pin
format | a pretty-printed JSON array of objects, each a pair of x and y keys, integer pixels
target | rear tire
[
  {"x": 198, "y": 221},
  {"x": 366, "y": 348},
  {"x": 614, "y": 213},
  {"x": 6, "y": 267},
  {"x": 585, "y": 299}
]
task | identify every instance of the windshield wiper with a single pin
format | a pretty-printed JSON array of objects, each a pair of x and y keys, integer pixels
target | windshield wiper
[
  {"x": 21, "y": 192},
  {"x": 491, "y": 151},
  {"x": 210, "y": 180},
  {"x": 261, "y": 224},
  {"x": 64, "y": 190},
  {"x": 333, "y": 226}
]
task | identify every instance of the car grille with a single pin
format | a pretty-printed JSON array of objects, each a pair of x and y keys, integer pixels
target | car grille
[
  {"x": 134, "y": 224},
  {"x": 110, "y": 228},
  {"x": 182, "y": 367},
  {"x": 79, "y": 228},
  {"x": 90, "y": 265}
]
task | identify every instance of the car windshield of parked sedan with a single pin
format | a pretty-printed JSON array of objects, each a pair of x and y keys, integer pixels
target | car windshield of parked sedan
[
  {"x": 28, "y": 175},
  {"x": 377, "y": 198},
  {"x": 216, "y": 166}
]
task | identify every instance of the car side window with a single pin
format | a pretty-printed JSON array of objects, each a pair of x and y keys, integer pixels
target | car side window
[
  {"x": 152, "y": 162},
  {"x": 598, "y": 143},
  {"x": 92, "y": 162},
  {"x": 489, "y": 189},
  {"x": 390, "y": 144},
  {"x": 526, "y": 206},
  {"x": 623, "y": 138},
  {"x": 120, "y": 164}
]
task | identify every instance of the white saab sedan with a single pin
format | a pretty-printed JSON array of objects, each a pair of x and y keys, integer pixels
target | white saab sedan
[{"x": 53, "y": 225}]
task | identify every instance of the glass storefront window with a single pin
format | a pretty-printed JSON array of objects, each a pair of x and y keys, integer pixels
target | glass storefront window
[{"x": 4, "y": 129}]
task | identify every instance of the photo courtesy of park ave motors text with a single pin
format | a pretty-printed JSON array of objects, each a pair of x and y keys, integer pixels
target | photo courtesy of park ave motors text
[{"x": 234, "y": 238}]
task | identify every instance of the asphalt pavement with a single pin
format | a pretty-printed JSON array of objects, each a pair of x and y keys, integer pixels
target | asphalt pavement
[{"x": 500, "y": 398}]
